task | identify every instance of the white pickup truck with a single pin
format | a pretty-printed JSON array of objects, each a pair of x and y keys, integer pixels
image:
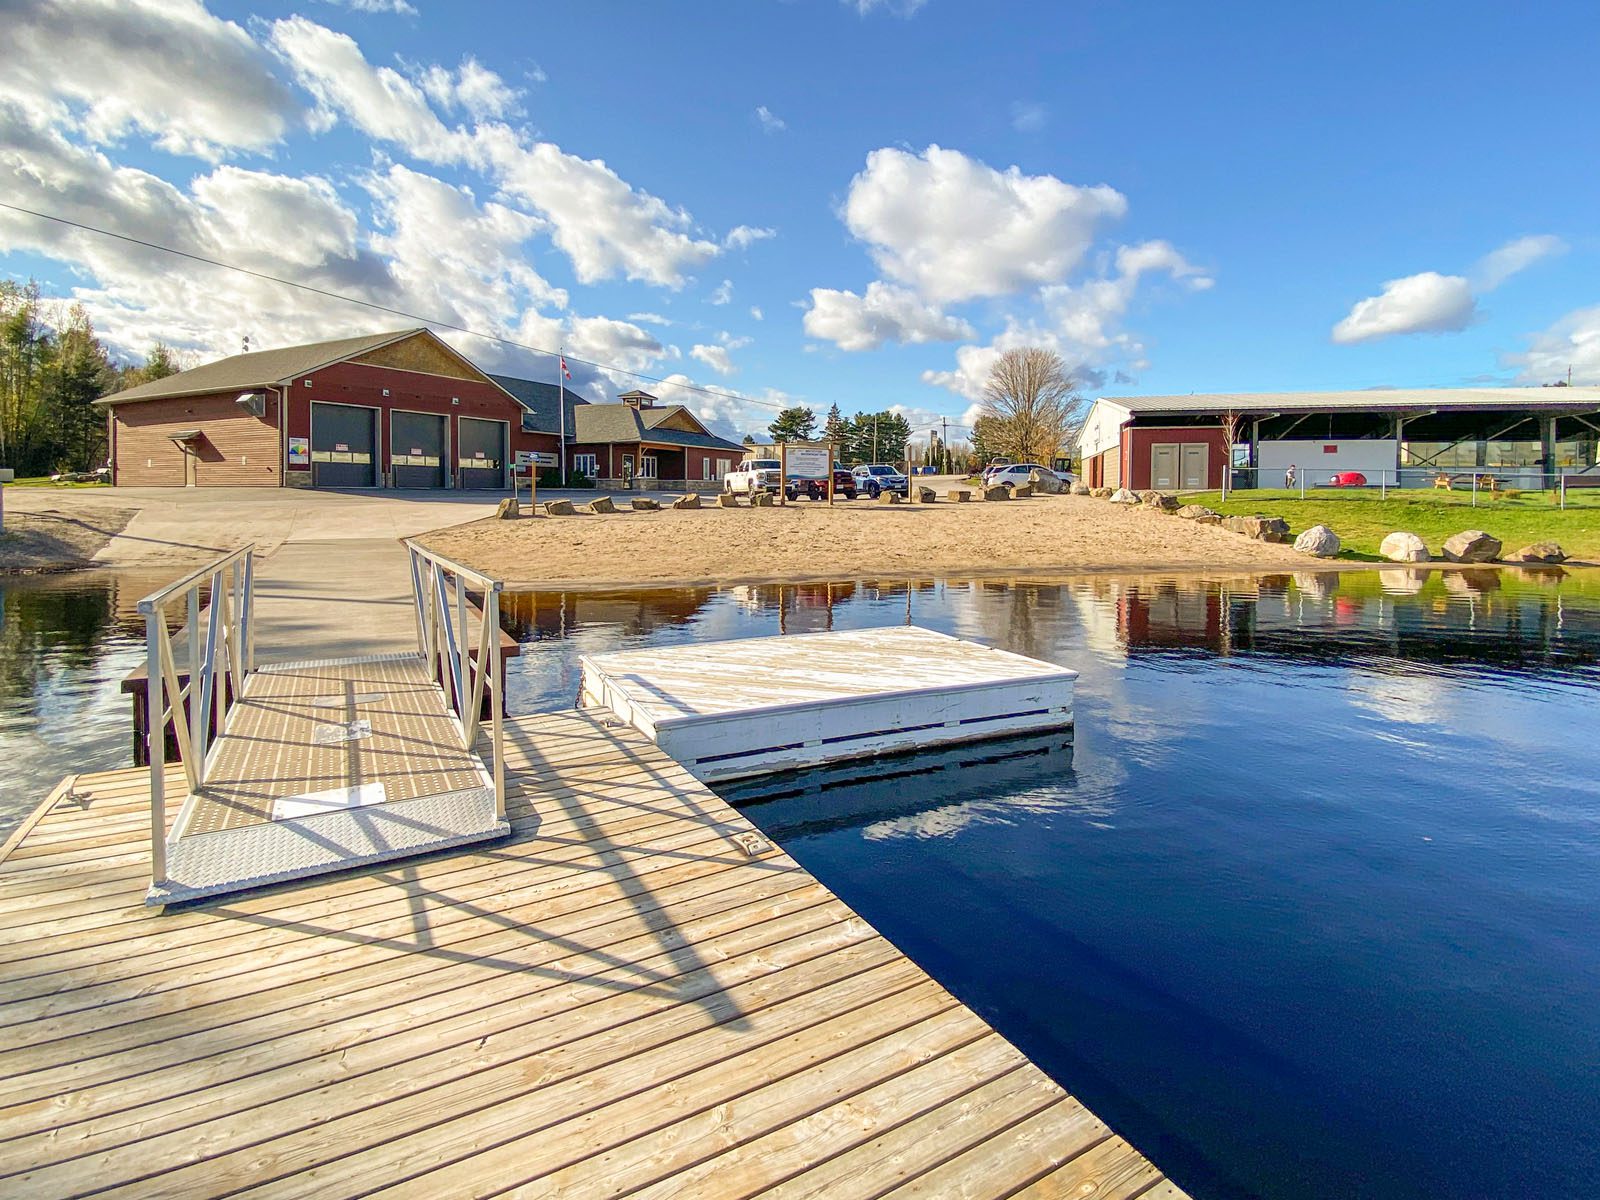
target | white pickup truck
[{"x": 754, "y": 475}]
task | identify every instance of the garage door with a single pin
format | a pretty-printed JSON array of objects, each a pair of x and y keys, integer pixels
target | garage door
[
  {"x": 481, "y": 462},
  {"x": 344, "y": 446},
  {"x": 417, "y": 455}
]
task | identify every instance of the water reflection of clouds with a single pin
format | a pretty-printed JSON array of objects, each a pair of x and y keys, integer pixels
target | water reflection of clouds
[{"x": 948, "y": 820}]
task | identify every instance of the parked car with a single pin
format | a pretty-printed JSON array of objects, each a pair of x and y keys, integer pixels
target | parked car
[
  {"x": 873, "y": 478},
  {"x": 754, "y": 475},
  {"x": 1012, "y": 474},
  {"x": 844, "y": 484}
]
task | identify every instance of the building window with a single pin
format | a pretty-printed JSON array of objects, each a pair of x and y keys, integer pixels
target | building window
[
  {"x": 647, "y": 467},
  {"x": 707, "y": 466},
  {"x": 584, "y": 464}
]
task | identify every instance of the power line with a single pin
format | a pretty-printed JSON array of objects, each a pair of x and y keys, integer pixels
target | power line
[{"x": 397, "y": 312}]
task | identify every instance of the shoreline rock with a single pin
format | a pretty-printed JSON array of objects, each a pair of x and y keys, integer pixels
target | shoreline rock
[
  {"x": 1471, "y": 546},
  {"x": 1404, "y": 548}
]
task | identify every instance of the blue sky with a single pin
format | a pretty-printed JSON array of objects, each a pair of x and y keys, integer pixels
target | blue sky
[{"x": 831, "y": 201}]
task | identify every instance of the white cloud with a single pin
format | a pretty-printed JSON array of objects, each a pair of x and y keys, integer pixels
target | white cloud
[
  {"x": 1028, "y": 117},
  {"x": 1429, "y": 302},
  {"x": 107, "y": 68},
  {"x": 471, "y": 88},
  {"x": 650, "y": 318},
  {"x": 715, "y": 357},
  {"x": 1572, "y": 342},
  {"x": 1423, "y": 303},
  {"x": 603, "y": 224},
  {"x": 1497, "y": 266},
  {"x": 723, "y": 294},
  {"x": 742, "y": 237},
  {"x": 1081, "y": 322},
  {"x": 400, "y": 7},
  {"x": 885, "y": 314},
  {"x": 719, "y": 356},
  {"x": 756, "y": 313},
  {"x": 955, "y": 228},
  {"x": 898, "y": 8},
  {"x": 769, "y": 121}
]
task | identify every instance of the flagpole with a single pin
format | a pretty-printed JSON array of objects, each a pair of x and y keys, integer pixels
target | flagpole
[{"x": 561, "y": 381}]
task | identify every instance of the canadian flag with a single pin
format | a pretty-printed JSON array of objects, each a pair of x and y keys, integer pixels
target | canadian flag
[{"x": 564, "y": 370}]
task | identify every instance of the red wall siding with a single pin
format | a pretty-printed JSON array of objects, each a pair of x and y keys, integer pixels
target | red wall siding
[
  {"x": 362, "y": 384},
  {"x": 1137, "y": 440}
]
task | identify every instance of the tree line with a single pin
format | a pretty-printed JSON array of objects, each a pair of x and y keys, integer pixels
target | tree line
[
  {"x": 53, "y": 368},
  {"x": 1031, "y": 412},
  {"x": 863, "y": 438}
]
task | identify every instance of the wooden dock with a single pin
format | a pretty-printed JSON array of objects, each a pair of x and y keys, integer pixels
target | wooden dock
[{"x": 634, "y": 994}]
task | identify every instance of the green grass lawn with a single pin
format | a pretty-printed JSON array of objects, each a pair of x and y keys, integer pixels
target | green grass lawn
[
  {"x": 1362, "y": 520},
  {"x": 45, "y": 481}
]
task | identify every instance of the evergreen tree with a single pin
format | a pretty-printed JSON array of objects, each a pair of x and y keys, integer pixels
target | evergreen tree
[
  {"x": 797, "y": 424},
  {"x": 879, "y": 437},
  {"x": 78, "y": 374},
  {"x": 836, "y": 430}
]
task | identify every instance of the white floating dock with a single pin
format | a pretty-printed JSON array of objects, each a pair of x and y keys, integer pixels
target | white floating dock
[{"x": 731, "y": 709}]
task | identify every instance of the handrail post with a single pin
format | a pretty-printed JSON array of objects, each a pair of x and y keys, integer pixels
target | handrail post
[
  {"x": 491, "y": 605},
  {"x": 156, "y": 746}
]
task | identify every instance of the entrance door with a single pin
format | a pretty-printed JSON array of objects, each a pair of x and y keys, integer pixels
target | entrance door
[
  {"x": 1196, "y": 466},
  {"x": 191, "y": 465},
  {"x": 344, "y": 446},
  {"x": 481, "y": 459},
  {"x": 417, "y": 457},
  {"x": 1164, "y": 466}
]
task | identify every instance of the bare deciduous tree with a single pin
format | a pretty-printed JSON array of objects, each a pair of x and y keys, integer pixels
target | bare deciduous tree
[{"x": 1033, "y": 405}]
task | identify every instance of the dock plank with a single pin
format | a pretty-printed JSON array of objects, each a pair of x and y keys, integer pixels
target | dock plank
[{"x": 618, "y": 998}]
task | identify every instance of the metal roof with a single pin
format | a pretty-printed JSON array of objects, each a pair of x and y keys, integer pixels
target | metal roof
[
  {"x": 262, "y": 368},
  {"x": 1374, "y": 400},
  {"x": 540, "y": 402}
]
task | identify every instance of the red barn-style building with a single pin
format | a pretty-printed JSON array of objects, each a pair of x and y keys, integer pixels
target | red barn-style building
[{"x": 402, "y": 410}]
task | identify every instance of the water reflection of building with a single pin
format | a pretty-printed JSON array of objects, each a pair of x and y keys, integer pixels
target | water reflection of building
[{"x": 1410, "y": 613}]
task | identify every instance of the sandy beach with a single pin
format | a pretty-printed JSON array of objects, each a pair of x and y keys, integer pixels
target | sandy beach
[{"x": 858, "y": 540}]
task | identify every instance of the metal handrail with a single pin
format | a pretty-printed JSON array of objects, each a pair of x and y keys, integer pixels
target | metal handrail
[
  {"x": 464, "y": 661},
  {"x": 221, "y": 656}
]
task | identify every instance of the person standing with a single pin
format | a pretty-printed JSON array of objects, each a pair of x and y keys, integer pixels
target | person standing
[{"x": 1288, "y": 477}]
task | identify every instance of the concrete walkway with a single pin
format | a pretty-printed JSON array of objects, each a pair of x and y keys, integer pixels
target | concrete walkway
[{"x": 334, "y": 599}]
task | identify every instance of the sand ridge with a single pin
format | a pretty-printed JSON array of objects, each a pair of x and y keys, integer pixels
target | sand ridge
[{"x": 855, "y": 539}]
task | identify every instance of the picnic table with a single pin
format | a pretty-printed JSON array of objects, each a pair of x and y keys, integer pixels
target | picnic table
[{"x": 1487, "y": 482}]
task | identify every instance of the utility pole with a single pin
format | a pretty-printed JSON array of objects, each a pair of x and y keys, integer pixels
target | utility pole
[
  {"x": 944, "y": 445},
  {"x": 875, "y": 433}
]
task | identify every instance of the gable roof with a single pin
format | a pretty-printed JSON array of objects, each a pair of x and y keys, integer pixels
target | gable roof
[
  {"x": 604, "y": 423},
  {"x": 270, "y": 368},
  {"x": 541, "y": 403},
  {"x": 1374, "y": 400}
]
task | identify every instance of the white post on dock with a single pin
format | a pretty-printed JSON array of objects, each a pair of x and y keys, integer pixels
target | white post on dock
[
  {"x": 783, "y": 473},
  {"x": 155, "y": 746}
]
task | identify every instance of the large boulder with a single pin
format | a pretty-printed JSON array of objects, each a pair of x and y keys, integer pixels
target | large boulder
[
  {"x": 997, "y": 492},
  {"x": 888, "y": 497},
  {"x": 508, "y": 509},
  {"x": 1160, "y": 500},
  {"x": 1080, "y": 489},
  {"x": 1262, "y": 529},
  {"x": 959, "y": 495},
  {"x": 1046, "y": 483},
  {"x": 644, "y": 504},
  {"x": 1193, "y": 512},
  {"x": 1021, "y": 491},
  {"x": 558, "y": 508},
  {"x": 727, "y": 500},
  {"x": 1123, "y": 496},
  {"x": 599, "y": 505},
  {"x": 926, "y": 495},
  {"x": 689, "y": 501},
  {"x": 1404, "y": 547},
  {"x": 1318, "y": 541},
  {"x": 1102, "y": 493},
  {"x": 763, "y": 500},
  {"x": 1539, "y": 552},
  {"x": 1471, "y": 546}
]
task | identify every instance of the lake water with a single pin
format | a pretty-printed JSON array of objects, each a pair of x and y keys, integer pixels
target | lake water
[{"x": 1307, "y": 905}]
